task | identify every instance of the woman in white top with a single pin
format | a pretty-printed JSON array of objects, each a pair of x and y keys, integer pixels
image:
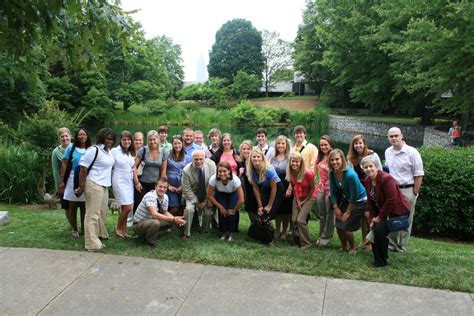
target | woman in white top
[
  {"x": 225, "y": 192},
  {"x": 122, "y": 179},
  {"x": 94, "y": 179}
]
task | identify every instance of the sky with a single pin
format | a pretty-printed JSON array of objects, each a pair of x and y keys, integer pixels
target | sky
[{"x": 193, "y": 24}]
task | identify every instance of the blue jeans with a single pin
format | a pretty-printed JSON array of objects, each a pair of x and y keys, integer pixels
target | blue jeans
[{"x": 228, "y": 201}]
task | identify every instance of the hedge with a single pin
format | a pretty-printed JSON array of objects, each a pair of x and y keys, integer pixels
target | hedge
[{"x": 446, "y": 204}]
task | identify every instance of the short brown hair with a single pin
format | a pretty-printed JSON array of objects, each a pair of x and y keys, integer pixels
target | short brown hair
[
  {"x": 299, "y": 129},
  {"x": 163, "y": 128}
]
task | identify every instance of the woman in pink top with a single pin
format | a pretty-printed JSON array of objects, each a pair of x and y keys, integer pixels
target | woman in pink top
[
  {"x": 305, "y": 193},
  {"x": 326, "y": 213},
  {"x": 227, "y": 152}
]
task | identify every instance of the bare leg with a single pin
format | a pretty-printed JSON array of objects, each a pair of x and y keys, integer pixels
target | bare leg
[
  {"x": 286, "y": 222},
  {"x": 121, "y": 229},
  {"x": 82, "y": 207},
  {"x": 278, "y": 225},
  {"x": 364, "y": 223},
  {"x": 349, "y": 236},
  {"x": 342, "y": 237},
  {"x": 72, "y": 217}
]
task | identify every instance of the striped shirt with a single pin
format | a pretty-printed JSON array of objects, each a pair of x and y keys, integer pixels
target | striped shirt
[{"x": 150, "y": 200}]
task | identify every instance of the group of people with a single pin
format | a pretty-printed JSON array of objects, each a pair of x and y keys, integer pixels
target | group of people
[{"x": 185, "y": 181}]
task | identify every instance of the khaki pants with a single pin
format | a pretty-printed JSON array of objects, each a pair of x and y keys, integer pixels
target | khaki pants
[
  {"x": 326, "y": 219},
  {"x": 97, "y": 198},
  {"x": 205, "y": 213},
  {"x": 299, "y": 217},
  {"x": 150, "y": 229},
  {"x": 398, "y": 240}
]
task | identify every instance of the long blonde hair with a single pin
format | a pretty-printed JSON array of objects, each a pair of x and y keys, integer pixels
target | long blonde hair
[
  {"x": 263, "y": 170},
  {"x": 294, "y": 155}
]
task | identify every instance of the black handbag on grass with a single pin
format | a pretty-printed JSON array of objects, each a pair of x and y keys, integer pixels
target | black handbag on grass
[{"x": 261, "y": 229}]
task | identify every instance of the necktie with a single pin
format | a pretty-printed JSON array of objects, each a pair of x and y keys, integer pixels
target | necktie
[{"x": 201, "y": 194}]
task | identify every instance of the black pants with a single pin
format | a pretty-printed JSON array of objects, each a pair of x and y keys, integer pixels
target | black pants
[
  {"x": 138, "y": 196},
  {"x": 380, "y": 246}
]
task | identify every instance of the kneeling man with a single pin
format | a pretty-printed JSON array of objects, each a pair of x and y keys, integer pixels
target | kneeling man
[{"x": 152, "y": 214}]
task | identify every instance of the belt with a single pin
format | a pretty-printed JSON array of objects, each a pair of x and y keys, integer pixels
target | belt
[{"x": 404, "y": 186}]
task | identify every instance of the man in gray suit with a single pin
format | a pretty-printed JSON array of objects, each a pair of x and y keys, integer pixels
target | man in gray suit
[{"x": 194, "y": 180}]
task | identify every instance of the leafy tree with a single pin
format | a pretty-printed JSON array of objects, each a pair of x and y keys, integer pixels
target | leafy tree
[
  {"x": 238, "y": 46},
  {"x": 432, "y": 50},
  {"x": 244, "y": 85},
  {"x": 73, "y": 29},
  {"x": 172, "y": 60},
  {"x": 276, "y": 58},
  {"x": 309, "y": 49},
  {"x": 140, "y": 73}
]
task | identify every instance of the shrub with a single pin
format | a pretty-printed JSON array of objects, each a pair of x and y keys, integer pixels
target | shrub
[
  {"x": 21, "y": 174},
  {"x": 446, "y": 205},
  {"x": 244, "y": 85},
  {"x": 192, "y": 92},
  {"x": 157, "y": 106},
  {"x": 288, "y": 94},
  {"x": 244, "y": 113},
  {"x": 317, "y": 118}
]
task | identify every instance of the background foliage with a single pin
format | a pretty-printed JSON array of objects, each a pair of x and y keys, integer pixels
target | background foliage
[{"x": 446, "y": 204}]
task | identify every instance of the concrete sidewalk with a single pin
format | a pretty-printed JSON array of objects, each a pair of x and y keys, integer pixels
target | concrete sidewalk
[{"x": 53, "y": 282}]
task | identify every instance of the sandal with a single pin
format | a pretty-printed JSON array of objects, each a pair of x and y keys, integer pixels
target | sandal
[{"x": 75, "y": 233}]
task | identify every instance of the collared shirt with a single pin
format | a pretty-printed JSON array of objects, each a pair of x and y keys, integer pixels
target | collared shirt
[
  {"x": 309, "y": 153},
  {"x": 189, "y": 150},
  {"x": 268, "y": 151},
  {"x": 150, "y": 200},
  {"x": 404, "y": 164},
  {"x": 101, "y": 171},
  {"x": 166, "y": 146}
]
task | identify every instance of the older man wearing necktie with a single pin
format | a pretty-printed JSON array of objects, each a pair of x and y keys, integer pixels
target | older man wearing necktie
[{"x": 195, "y": 179}]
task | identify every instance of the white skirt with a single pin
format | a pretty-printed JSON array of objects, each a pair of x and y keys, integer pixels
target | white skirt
[
  {"x": 122, "y": 184},
  {"x": 69, "y": 190}
]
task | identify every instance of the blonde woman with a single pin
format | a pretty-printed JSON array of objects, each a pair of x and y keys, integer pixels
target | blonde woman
[
  {"x": 348, "y": 197},
  {"x": 154, "y": 167},
  {"x": 279, "y": 160},
  {"x": 305, "y": 193},
  {"x": 250, "y": 202},
  {"x": 57, "y": 156},
  {"x": 267, "y": 186}
]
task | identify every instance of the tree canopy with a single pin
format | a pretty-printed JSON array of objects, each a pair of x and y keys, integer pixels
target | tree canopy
[
  {"x": 398, "y": 55},
  {"x": 83, "y": 55},
  {"x": 238, "y": 46}
]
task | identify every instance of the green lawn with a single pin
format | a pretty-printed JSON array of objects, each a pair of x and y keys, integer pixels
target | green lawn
[{"x": 428, "y": 263}]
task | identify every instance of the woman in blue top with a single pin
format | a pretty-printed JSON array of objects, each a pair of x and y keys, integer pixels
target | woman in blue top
[
  {"x": 177, "y": 160},
  {"x": 266, "y": 184},
  {"x": 72, "y": 156},
  {"x": 348, "y": 197}
]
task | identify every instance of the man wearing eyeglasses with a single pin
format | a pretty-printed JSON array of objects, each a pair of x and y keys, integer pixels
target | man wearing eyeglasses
[{"x": 406, "y": 167}]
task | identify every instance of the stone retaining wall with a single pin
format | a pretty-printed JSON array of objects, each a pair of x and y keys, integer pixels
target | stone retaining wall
[{"x": 415, "y": 135}]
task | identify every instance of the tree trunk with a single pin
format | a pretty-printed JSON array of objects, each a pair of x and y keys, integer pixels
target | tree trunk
[
  {"x": 427, "y": 118},
  {"x": 126, "y": 105}
]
